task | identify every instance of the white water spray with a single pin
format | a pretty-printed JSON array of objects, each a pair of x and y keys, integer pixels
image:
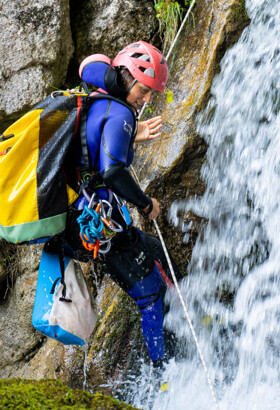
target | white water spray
[{"x": 233, "y": 288}]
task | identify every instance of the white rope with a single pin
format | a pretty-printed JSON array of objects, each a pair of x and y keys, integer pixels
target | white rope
[
  {"x": 183, "y": 303},
  {"x": 164, "y": 247},
  {"x": 186, "y": 312},
  {"x": 180, "y": 29},
  {"x": 173, "y": 44}
]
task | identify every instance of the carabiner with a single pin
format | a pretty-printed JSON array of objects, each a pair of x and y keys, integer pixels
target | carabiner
[
  {"x": 120, "y": 202},
  {"x": 110, "y": 210},
  {"x": 108, "y": 246},
  {"x": 115, "y": 226},
  {"x": 92, "y": 202}
]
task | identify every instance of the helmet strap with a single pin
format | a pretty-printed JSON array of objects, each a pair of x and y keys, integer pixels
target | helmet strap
[{"x": 131, "y": 85}]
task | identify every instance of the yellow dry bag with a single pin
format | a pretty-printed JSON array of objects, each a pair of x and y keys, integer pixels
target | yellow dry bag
[{"x": 34, "y": 195}]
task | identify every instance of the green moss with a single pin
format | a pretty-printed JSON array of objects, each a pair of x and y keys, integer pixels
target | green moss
[
  {"x": 239, "y": 13},
  {"x": 129, "y": 315},
  {"x": 52, "y": 394},
  {"x": 119, "y": 323}
]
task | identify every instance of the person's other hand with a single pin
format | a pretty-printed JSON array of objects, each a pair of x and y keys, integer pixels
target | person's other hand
[
  {"x": 148, "y": 130},
  {"x": 155, "y": 211}
]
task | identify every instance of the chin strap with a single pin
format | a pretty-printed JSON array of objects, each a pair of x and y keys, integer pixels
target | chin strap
[{"x": 131, "y": 85}]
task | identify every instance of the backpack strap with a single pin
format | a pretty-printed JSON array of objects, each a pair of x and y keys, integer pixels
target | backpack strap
[
  {"x": 60, "y": 251},
  {"x": 83, "y": 133},
  {"x": 61, "y": 262},
  {"x": 90, "y": 99}
]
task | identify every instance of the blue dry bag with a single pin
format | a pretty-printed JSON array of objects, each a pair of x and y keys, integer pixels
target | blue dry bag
[{"x": 72, "y": 319}]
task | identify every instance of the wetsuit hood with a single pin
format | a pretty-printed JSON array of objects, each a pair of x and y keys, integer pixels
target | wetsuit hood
[{"x": 112, "y": 85}]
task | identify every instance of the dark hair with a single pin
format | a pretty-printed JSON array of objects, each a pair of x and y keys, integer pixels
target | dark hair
[{"x": 124, "y": 77}]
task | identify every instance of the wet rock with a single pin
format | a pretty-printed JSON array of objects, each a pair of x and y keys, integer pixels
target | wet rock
[
  {"x": 2, "y": 273},
  {"x": 169, "y": 168},
  {"x": 52, "y": 360},
  {"x": 107, "y": 26},
  {"x": 9, "y": 267},
  {"x": 36, "y": 46},
  {"x": 18, "y": 339}
]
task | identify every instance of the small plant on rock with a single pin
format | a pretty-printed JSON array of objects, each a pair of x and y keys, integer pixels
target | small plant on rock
[{"x": 169, "y": 15}]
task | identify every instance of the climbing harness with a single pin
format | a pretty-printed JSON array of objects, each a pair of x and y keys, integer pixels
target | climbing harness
[{"x": 164, "y": 246}]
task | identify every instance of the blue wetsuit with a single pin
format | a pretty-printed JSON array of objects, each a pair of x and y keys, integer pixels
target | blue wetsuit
[{"x": 131, "y": 260}]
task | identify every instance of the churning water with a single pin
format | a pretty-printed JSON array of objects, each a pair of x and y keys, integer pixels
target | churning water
[{"x": 232, "y": 291}]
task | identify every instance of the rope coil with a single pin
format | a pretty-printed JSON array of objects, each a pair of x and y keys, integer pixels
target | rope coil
[
  {"x": 91, "y": 226},
  {"x": 97, "y": 228}
]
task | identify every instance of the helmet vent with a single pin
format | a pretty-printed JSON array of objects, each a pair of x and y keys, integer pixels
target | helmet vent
[
  {"x": 139, "y": 56},
  {"x": 150, "y": 72}
]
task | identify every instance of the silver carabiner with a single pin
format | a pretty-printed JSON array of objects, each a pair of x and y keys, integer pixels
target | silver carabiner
[
  {"x": 91, "y": 202},
  {"x": 120, "y": 202},
  {"x": 108, "y": 247},
  {"x": 53, "y": 94},
  {"x": 110, "y": 210},
  {"x": 117, "y": 226}
]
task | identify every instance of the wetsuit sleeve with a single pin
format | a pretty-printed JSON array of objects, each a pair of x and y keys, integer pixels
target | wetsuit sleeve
[
  {"x": 115, "y": 150},
  {"x": 94, "y": 73},
  {"x": 119, "y": 179}
]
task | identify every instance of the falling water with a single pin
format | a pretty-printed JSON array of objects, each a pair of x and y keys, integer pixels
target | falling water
[{"x": 232, "y": 291}]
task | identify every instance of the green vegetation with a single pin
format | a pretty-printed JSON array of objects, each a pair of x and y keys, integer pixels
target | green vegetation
[
  {"x": 239, "y": 13},
  {"x": 52, "y": 394},
  {"x": 169, "y": 15},
  {"x": 9, "y": 267}
]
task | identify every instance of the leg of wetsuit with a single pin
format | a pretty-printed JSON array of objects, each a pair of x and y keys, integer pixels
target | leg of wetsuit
[
  {"x": 147, "y": 294},
  {"x": 155, "y": 247},
  {"x": 131, "y": 264}
]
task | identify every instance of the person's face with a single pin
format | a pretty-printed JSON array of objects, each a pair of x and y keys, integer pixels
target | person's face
[{"x": 139, "y": 95}]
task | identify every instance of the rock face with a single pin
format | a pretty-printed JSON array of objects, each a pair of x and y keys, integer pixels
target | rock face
[
  {"x": 106, "y": 26},
  {"x": 36, "y": 46},
  {"x": 169, "y": 168},
  {"x": 18, "y": 341}
]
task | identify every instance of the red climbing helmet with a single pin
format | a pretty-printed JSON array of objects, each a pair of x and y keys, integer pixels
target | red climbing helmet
[{"x": 145, "y": 63}]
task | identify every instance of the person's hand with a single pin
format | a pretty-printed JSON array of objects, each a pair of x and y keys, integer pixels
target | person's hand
[
  {"x": 155, "y": 211},
  {"x": 148, "y": 130}
]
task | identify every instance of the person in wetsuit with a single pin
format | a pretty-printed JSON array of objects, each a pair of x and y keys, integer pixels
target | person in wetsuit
[{"x": 136, "y": 261}]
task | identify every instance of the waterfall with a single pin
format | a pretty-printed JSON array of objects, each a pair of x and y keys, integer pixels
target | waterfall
[{"x": 232, "y": 290}]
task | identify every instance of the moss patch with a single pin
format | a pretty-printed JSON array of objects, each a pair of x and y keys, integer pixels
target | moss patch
[
  {"x": 239, "y": 13},
  {"x": 115, "y": 326},
  {"x": 52, "y": 394}
]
